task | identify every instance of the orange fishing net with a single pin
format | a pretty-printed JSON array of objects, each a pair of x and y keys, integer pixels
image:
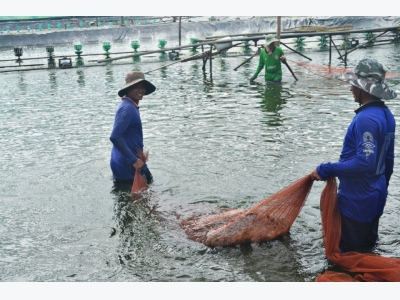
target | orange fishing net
[
  {"x": 330, "y": 71},
  {"x": 139, "y": 183},
  {"x": 369, "y": 267},
  {"x": 273, "y": 217},
  {"x": 267, "y": 220}
]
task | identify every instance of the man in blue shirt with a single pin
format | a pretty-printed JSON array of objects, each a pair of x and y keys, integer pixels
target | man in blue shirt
[
  {"x": 366, "y": 161},
  {"x": 127, "y": 134}
]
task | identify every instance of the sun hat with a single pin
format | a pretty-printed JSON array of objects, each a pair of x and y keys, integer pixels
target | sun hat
[
  {"x": 369, "y": 75},
  {"x": 270, "y": 39},
  {"x": 135, "y": 77}
]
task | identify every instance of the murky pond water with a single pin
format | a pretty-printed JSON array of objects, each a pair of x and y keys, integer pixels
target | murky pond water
[{"x": 214, "y": 141}]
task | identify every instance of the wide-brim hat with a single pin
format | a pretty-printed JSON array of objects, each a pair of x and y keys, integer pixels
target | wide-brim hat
[
  {"x": 369, "y": 75},
  {"x": 133, "y": 78},
  {"x": 270, "y": 38}
]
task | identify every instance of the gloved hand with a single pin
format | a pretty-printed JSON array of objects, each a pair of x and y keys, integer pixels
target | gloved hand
[{"x": 252, "y": 78}]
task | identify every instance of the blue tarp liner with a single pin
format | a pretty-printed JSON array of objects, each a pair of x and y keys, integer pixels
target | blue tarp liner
[{"x": 193, "y": 27}]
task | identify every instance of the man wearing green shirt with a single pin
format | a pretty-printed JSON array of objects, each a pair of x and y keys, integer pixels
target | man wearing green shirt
[{"x": 270, "y": 58}]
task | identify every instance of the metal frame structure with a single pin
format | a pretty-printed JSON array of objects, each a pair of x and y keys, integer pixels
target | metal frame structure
[{"x": 214, "y": 42}]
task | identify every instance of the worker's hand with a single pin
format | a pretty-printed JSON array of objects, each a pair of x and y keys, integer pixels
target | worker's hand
[
  {"x": 283, "y": 58},
  {"x": 315, "y": 176},
  {"x": 252, "y": 78},
  {"x": 138, "y": 165}
]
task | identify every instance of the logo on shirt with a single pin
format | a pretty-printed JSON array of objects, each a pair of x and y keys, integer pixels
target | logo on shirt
[{"x": 368, "y": 145}]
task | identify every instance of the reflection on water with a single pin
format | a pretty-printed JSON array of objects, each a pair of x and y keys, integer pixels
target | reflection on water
[
  {"x": 163, "y": 73},
  {"x": 207, "y": 83},
  {"x": 53, "y": 82},
  {"x": 223, "y": 65},
  {"x": 128, "y": 207},
  {"x": 22, "y": 83},
  {"x": 109, "y": 75},
  {"x": 215, "y": 142},
  {"x": 273, "y": 98},
  {"x": 81, "y": 78},
  {"x": 163, "y": 56},
  {"x": 79, "y": 62},
  {"x": 136, "y": 59},
  {"x": 135, "y": 225}
]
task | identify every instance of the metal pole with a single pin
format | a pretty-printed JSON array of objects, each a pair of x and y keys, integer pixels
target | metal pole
[
  {"x": 286, "y": 64},
  {"x": 345, "y": 51},
  {"x": 180, "y": 25},
  {"x": 341, "y": 57},
  {"x": 366, "y": 42},
  {"x": 255, "y": 54},
  {"x": 196, "y": 56},
  {"x": 204, "y": 62},
  {"x": 330, "y": 49},
  {"x": 278, "y": 30},
  {"x": 204, "y": 58},
  {"x": 210, "y": 59},
  {"x": 295, "y": 51}
]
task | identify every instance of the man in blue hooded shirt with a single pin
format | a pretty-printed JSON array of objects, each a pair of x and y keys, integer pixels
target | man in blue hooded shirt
[
  {"x": 127, "y": 133},
  {"x": 366, "y": 161}
]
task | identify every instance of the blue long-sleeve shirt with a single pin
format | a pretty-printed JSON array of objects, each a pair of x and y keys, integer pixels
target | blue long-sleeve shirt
[
  {"x": 127, "y": 139},
  {"x": 366, "y": 163}
]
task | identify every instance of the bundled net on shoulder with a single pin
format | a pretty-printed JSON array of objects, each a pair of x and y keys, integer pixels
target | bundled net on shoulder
[
  {"x": 139, "y": 183},
  {"x": 272, "y": 218}
]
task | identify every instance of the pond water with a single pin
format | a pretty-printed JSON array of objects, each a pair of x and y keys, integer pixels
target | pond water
[{"x": 214, "y": 141}]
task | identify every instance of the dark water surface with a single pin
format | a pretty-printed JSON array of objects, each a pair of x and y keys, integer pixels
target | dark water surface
[{"x": 214, "y": 141}]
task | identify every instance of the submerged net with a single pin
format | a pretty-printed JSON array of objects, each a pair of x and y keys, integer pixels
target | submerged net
[
  {"x": 330, "y": 71},
  {"x": 139, "y": 183},
  {"x": 272, "y": 218}
]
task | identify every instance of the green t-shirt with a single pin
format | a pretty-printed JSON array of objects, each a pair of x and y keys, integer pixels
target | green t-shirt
[{"x": 273, "y": 70}]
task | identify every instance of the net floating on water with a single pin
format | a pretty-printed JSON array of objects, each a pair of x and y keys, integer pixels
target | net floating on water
[
  {"x": 267, "y": 220},
  {"x": 330, "y": 71}
]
